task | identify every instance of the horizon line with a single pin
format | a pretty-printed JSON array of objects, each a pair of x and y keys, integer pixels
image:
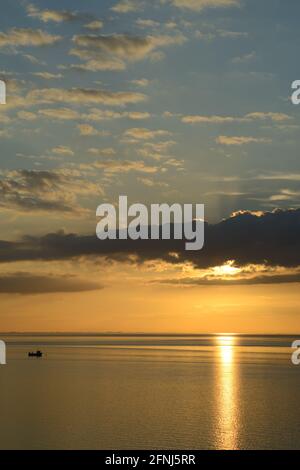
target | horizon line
[{"x": 120, "y": 333}]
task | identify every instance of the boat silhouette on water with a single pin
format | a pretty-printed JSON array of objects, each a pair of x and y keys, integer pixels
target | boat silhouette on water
[{"x": 35, "y": 354}]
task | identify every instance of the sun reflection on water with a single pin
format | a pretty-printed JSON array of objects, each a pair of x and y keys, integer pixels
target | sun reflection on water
[{"x": 226, "y": 418}]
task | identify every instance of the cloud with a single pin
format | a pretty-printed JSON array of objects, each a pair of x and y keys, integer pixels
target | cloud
[
  {"x": 244, "y": 58},
  {"x": 285, "y": 195},
  {"x": 250, "y": 117},
  {"x": 77, "y": 96},
  {"x": 94, "y": 25},
  {"x": 133, "y": 48},
  {"x": 88, "y": 130},
  {"x": 96, "y": 114},
  {"x": 62, "y": 150},
  {"x": 159, "y": 151},
  {"x": 237, "y": 141},
  {"x": 144, "y": 23},
  {"x": 25, "y": 283},
  {"x": 230, "y": 275},
  {"x": 57, "y": 16},
  {"x": 136, "y": 115},
  {"x": 93, "y": 114},
  {"x": 268, "y": 176},
  {"x": 128, "y": 6},
  {"x": 141, "y": 133},
  {"x": 27, "y": 37},
  {"x": 150, "y": 183},
  {"x": 246, "y": 281},
  {"x": 279, "y": 176},
  {"x": 33, "y": 60},
  {"x": 27, "y": 116},
  {"x": 111, "y": 52},
  {"x": 47, "y": 75},
  {"x": 231, "y": 34},
  {"x": 64, "y": 114},
  {"x": 95, "y": 61},
  {"x": 160, "y": 147},
  {"x": 44, "y": 191},
  {"x": 199, "y": 5},
  {"x": 197, "y": 119},
  {"x": 100, "y": 152},
  {"x": 270, "y": 239},
  {"x": 124, "y": 166},
  {"x": 83, "y": 96},
  {"x": 209, "y": 33},
  {"x": 276, "y": 117},
  {"x": 142, "y": 82},
  {"x": 80, "y": 96}
]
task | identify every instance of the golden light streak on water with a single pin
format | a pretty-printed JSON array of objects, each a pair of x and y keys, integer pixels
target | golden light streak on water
[{"x": 226, "y": 397}]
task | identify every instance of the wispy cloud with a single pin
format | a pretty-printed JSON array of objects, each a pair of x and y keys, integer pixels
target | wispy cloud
[
  {"x": 83, "y": 96},
  {"x": 95, "y": 61},
  {"x": 27, "y": 37},
  {"x": 257, "y": 116},
  {"x": 144, "y": 134},
  {"x": 128, "y": 6},
  {"x": 96, "y": 114},
  {"x": 64, "y": 114},
  {"x": 27, "y": 116},
  {"x": 279, "y": 176},
  {"x": 244, "y": 58},
  {"x": 102, "y": 152},
  {"x": 47, "y": 75},
  {"x": 63, "y": 150},
  {"x": 57, "y": 16},
  {"x": 241, "y": 140},
  {"x": 113, "y": 51},
  {"x": 94, "y": 25},
  {"x": 199, "y": 5},
  {"x": 125, "y": 166},
  {"x": 33, "y": 60},
  {"x": 142, "y": 82}
]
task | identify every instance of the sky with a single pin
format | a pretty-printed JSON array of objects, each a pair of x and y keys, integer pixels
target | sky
[{"x": 176, "y": 101}]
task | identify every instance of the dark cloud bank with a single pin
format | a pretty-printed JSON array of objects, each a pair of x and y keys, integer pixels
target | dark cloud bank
[
  {"x": 272, "y": 238},
  {"x": 27, "y": 283}
]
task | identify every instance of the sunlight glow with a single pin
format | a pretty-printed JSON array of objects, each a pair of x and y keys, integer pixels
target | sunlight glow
[{"x": 227, "y": 269}]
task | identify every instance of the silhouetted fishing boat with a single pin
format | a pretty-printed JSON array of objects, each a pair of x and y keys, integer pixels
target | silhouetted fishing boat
[{"x": 35, "y": 354}]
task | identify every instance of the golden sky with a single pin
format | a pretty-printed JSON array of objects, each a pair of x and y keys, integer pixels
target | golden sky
[{"x": 168, "y": 101}]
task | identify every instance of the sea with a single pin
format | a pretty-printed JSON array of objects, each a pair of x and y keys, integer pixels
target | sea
[{"x": 139, "y": 391}]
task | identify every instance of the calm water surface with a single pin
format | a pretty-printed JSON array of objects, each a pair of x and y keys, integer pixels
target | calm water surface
[{"x": 150, "y": 392}]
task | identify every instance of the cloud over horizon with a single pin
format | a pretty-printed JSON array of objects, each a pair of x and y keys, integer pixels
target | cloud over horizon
[
  {"x": 25, "y": 283},
  {"x": 271, "y": 239}
]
